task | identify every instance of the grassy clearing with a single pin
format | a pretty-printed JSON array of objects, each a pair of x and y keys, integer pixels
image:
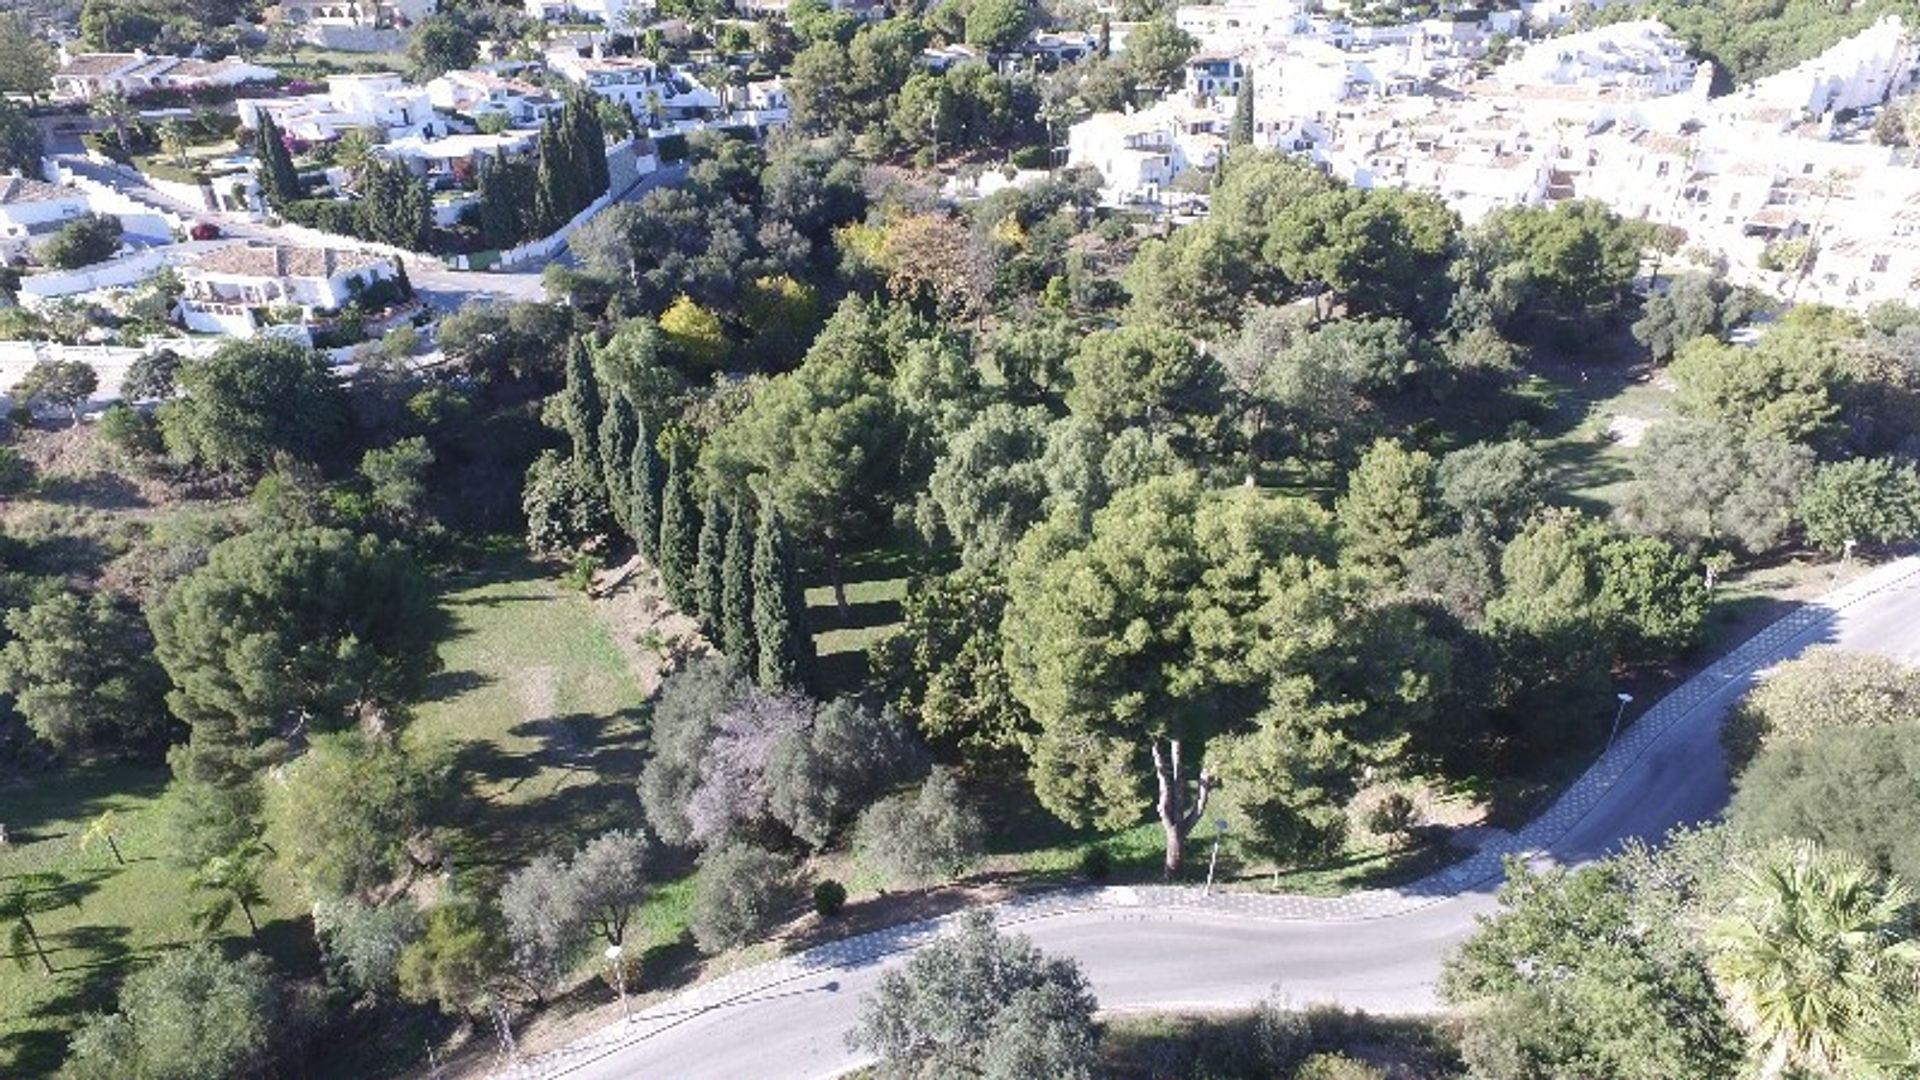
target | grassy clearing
[
  {"x": 115, "y": 915},
  {"x": 544, "y": 714},
  {"x": 876, "y": 586}
]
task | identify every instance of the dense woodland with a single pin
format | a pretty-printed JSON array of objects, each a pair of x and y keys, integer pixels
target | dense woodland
[{"x": 1255, "y": 519}]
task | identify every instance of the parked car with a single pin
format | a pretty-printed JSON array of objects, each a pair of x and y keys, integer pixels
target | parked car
[{"x": 204, "y": 230}]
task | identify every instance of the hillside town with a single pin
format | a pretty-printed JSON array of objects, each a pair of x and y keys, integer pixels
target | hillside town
[
  {"x": 1781, "y": 182},
  {"x": 993, "y": 539}
]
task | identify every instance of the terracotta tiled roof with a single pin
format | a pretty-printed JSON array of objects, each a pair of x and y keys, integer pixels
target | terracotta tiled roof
[
  {"x": 15, "y": 190},
  {"x": 94, "y": 65},
  {"x": 276, "y": 261}
]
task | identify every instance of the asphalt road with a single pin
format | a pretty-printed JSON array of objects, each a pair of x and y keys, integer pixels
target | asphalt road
[{"x": 1155, "y": 957}]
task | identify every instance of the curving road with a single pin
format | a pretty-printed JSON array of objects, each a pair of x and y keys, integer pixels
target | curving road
[{"x": 1165, "y": 948}]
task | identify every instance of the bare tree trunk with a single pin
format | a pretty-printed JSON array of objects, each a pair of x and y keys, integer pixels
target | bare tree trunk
[
  {"x": 1177, "y": 818},
  {"x": 247, "y": 910},
  {"x": 839, "y": 585}
]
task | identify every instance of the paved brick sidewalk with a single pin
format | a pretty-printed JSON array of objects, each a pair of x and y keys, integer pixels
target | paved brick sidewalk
[{"x": 1739, "y": 666}]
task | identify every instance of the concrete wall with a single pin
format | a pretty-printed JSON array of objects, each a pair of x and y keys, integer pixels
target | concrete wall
[
  {"x": 118, "y": 273},
  {"x": 109, "y": 362}
]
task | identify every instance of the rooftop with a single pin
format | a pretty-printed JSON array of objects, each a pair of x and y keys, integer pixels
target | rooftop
[
  {"x": 93, "y": 65},
  {"x": 276, "y": 261},
  {"x": 15, "y": 190}
]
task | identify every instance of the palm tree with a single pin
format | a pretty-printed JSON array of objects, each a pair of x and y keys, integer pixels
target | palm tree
[
  {"x": 233, "y": 880},
  {"x": 115, "y": 109},
  {"x": 30, "y": 895},
  {"x": 173, "y": 139},
  {"x": 1813, "y": 945},
  {"x": 101, "y": 830},
  {"x": 354, "y": 152}
]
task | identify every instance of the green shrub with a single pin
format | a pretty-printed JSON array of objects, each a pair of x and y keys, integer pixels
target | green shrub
[
  {"x": 829, "y": 897},
  {"x": 1096, "y": 863}
]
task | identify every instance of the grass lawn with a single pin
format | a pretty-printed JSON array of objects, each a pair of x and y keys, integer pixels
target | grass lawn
[
  {"x": 876, "y": 585},
  {"x": 543, "y": 711},
  {"x": 113, "y": 915}
]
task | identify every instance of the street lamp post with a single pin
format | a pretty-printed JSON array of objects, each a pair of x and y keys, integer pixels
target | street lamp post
[
  {"x": 1625, "y": 700},
  {"x": 620, "y": 982},
  {"x": 1213, "y": 860}
]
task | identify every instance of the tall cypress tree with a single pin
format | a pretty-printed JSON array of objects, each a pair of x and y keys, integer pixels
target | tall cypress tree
[
  {"x": 736, "y": 593},
  {"x": 549, "y": 182},
  {"x": 779, "y": 608},
  {"x": 277, "y": 174},
  {"x": 581, "y": 410},
  {"x": 1241, "y": 133},
  {"x": 646, "y": 477},
  {"x": 679, "y": 536},
  {"x": 618, "y": 431},
  {"x": 710, "y": 575}
]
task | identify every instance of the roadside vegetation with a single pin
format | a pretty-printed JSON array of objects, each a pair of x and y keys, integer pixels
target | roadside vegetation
[{"x": 824, "y": 554}]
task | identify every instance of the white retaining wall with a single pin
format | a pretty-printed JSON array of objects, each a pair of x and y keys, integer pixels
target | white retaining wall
[{"x": 109, "y": 362}]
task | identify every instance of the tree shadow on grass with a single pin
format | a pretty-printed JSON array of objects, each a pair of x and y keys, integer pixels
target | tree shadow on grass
[
  {"x": 520, "y": 807},
  {"x": 858, "y": 616},
  {"x": 95, "y": 491},
  {"x": 448, "y": 685},
  {"x": 839, "y": 672},
  {"x": 73, "y": 795}
]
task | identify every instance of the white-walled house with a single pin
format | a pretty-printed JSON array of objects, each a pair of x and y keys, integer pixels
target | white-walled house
[
  {"x": 483, "y": 93},
  {"x": 639, "y": 84},
  {"x": 615, "y": 13},
  {"x": 1233, "y": 26},
  {"x": 1863, "y": 71},
  {"x": 383, "y": 100},
  {"x": 1138, "y": 154},
  {"x": 32, "y": 209},
  {"x": 223, "y": 287},
  {"x": 1641, "y": 58},
  {"x": 355, "y": 14},
  {"x": 85, "y": 76}
]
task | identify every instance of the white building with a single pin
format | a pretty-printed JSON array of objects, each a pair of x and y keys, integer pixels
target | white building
[
  {"x": 1216, "y": 74},
  {"x": 639, "y": 84},
  {"x": 1139, "y": 154},
  {"x": 1233, "y": 26},
  {"x": 30, "y": 210},
  {"x": 615, "y": 13},
  {"x": 355, "y": 14},
  {"x": 223, "y": 287},
  {"x": 1861, "y": 72},
  {"x": 384, "y": 101},
  {"x": 85, "y": 76},
  {"x": 1640, "y": 58},
  {"x": 483, "y": 93}
]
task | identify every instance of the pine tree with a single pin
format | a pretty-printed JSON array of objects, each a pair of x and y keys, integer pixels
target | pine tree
[
  {"x": 710, "y": 575},
  {"x": 646, "y": 477},
  {"x": 277, "y": 174},
  {"x": 581, "y": 410},
  {"x": 1241, "y": 133},
  {"x": 736, "y": 593},
  {"x": 679, "y": 536},
  {"x": 779, "y": 609},
  {"x": 619, "y": 430}
]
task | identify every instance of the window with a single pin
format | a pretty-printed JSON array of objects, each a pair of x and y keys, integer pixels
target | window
[{"x": 1880, "y": 263}]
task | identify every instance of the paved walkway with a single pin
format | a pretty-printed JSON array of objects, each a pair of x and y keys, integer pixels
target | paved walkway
[{"x": 1478, "y": 871}]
